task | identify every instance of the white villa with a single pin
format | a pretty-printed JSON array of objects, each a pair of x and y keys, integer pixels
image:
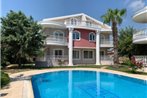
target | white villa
[
  {"x": 140, "y": 37},
  {"x": 76, "y": 39}
]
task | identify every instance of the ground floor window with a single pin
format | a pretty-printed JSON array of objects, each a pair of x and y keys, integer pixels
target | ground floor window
[
  {"x": 88, "y": 54},
  {"x": 102, "y": 53},
  {"x": 76, "y": 54},
  {"x": 58, "y": 53}
]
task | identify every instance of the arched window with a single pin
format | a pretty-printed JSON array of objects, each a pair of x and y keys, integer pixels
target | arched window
[
  {"x": 92, "y": 36},
  {"x": 73, "y": 21},
  {"x": 58, "y": 34},
  {"x": 76, "y": 35}
]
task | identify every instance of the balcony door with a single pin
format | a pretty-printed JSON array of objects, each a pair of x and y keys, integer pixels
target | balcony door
[{"x": 59, "y": 35}]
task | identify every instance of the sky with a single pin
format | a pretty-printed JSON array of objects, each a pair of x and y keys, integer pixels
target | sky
[{"x": 41, "y": 9}]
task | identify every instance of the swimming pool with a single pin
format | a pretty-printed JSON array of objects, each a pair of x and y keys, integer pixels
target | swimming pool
[{"x": 87, "y": 84}]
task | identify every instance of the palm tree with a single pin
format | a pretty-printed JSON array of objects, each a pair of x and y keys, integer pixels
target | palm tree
[{"x": 114, "y": 17}]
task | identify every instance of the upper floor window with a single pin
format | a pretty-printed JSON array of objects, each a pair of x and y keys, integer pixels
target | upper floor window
[
  {"x": 92, "y": 36},
  {"x": 73, "y": 21},
  {"x": 89, "y": 24},
  {"x": 58, "y": 34},
  {"x": 76, "y": 35}
]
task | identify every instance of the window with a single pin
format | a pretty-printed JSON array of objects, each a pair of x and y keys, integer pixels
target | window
[
  {"x": 76, "y": 35},
  {"x": 88, "y": 54},
  {"x": 76, "y": 54},
  {"x": 102, "y": 53},
  {"x": 58, "y": 34},
  {"x": 73, "y": 21},
  {"x": 89, "y": 24},
  {"x": 91, "y": 36},
  {"x": 58, "y": 53}
]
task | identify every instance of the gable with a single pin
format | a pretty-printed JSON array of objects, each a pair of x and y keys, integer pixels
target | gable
[{"x": 80, "y": 17}]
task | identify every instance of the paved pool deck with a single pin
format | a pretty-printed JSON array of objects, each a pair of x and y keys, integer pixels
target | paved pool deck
[{"x": 21, "y": 86}]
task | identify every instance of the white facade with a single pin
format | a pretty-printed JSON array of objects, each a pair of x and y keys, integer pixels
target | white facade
[{"x": 140, "y": 36}]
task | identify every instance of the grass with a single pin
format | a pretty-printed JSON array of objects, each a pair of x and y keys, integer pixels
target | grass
[
  {"x": 124, "y": 68},
  {"x": 28, "y": 67}
]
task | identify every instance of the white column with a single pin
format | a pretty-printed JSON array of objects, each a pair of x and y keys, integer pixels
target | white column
[
  {"x": 98, "y": 47},
  {"x": 70, "y": 47}
]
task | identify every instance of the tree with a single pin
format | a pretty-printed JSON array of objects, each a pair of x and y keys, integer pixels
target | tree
[
  {"x": 126, "y": 46},
  {"x": 114, "y": 17},
  {"x": 21, "y": 36}
]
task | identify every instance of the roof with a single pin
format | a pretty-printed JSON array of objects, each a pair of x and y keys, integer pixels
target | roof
[{"x": 76, "y": 15}]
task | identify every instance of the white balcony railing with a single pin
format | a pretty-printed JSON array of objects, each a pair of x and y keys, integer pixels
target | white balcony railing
[
  {"x": 106, "y": 58},
  {"x": 142, "y": 59},
  {"x": 142, "y": 10},
  {"x": 140, "y": 34},
  {"x": 82, "y": 24},
  {"x": 53, "y": 40},
  {"x": 64, "y": 57},
  {"x": 106, "y": 43}
]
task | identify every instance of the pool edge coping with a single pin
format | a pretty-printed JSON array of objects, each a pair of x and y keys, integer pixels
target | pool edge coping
[{"x": 27, "y": 84}]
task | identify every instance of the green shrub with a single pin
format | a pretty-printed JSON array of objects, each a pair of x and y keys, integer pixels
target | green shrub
[
  {"x": 134, "y": 65},
  {"x": 5, "y": 79}
]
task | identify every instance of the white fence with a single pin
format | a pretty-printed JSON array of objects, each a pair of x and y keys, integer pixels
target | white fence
[
  {"x": 106, "y": 41},
  {"x": 82, "y": 24},
  {"x": 142, "y": 58},
  {"x": 56, "y": 40},
  {"x": 140, "y": 34},
  {"x": 107, "y": 58}
]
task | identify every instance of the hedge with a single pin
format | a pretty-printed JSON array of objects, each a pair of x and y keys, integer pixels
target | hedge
[{"x": 5, "y": 79}]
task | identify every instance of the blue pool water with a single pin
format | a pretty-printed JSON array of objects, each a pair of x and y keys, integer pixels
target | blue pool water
[{"x": 87, "y": 84}]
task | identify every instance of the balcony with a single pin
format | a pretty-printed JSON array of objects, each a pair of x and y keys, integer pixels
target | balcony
[
  {"x": 53, "y": 40},
  {"x": 140, "y": 37},
  {"x": 82, "y": 24},
  {"x": 106, "y": 43},
  {"x": 52, "y": 24},
  {"x": 141, "y": 16}
]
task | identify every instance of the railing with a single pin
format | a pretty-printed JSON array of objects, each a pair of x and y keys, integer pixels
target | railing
[
  {"x": 51, "y": 22},
  {"x": 140, "y": 34},
  {"x": 56, "y": 40},
  {"x": 57, "y": 59},
  {"x": 57, "y": 56},
  {"x": 142, "y": 58},
  {"x": 83, "y": 24},
  {"x": 106, "y": 58},
  {"x": 106, "y": 43},
  {"x": 65, "y": 57},
  {"x": 144, "y": 9}
]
